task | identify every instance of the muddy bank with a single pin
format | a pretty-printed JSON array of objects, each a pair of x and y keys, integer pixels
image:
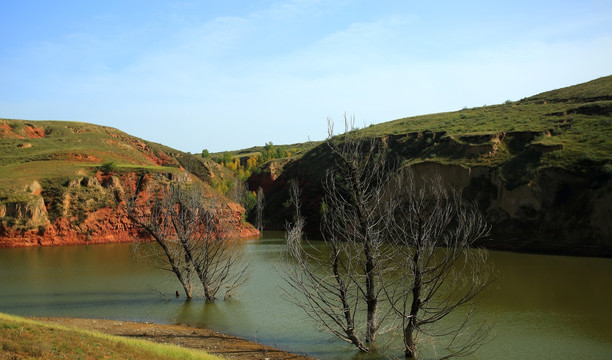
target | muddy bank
[{"x": 227, "y": 346}]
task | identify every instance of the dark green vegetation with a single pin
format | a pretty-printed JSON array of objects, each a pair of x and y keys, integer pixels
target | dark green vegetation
[
  {"x": 540, "y": 168},
  {"x": 28, "y": 339}
]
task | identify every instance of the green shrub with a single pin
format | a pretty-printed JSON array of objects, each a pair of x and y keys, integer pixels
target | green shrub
[{"x": 108, "y": 167}]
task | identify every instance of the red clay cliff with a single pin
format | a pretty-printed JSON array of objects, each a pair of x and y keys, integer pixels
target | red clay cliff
[{"x": 96, "y": 223}]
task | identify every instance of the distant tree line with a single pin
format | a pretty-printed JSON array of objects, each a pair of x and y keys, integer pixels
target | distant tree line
[{"x": 245, "y": 168}]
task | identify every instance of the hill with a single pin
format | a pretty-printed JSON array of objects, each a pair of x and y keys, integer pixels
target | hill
[
  {"x": 59, "y": 181},
  {"x": 540, "y": 167}
]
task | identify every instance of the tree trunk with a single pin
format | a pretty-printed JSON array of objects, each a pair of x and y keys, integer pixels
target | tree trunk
[
  {"x": 175, "y": 269},
  {"x": 409, "y": 343},
  {"x": 371, "y": 298},
  {"x": 350, "y": 326},
  {"x": 409, "y": 340}
]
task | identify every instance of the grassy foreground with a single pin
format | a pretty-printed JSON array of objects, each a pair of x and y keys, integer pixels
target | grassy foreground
[{"x": 22, "y": 338}]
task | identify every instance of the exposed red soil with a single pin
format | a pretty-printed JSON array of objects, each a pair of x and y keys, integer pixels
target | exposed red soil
[
  {"x": 212, "y": 342},
  {"x": 159, "y": 159},
  {"x": 104, "y": 226},
  {"x": 112, "y": 224},
  {"x": 34, "y": 132},
  {"x": 112, "y": 229},
  {"x": 7, "y": 132},
  {"x": 83, "y": 157}
]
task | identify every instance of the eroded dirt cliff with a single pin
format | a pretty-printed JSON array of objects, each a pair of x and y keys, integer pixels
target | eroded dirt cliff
[
  {"x": 531, "y": 207},
  {"x": 88, "y": 210}
]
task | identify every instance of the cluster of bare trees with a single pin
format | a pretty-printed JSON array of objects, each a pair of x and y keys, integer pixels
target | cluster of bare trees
[
  {"x": 400, "y": 253},
  {"x": 187, "y": 227}
]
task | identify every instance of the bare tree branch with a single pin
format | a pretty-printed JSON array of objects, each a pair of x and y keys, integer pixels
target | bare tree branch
[
  {"x": 396, "y": 248},
  {"x": 259, "y": 207},
  {"x": 435, "y": 231},
  {"x": 335, "y": 286},
  {"x": 187, "y": 227}
]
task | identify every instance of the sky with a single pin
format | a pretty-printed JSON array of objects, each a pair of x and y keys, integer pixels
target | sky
[{"x": 226, "y": 75}]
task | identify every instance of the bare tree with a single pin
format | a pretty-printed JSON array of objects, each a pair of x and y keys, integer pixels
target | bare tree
[
  {"x": 336, "y": 287},
  {"x": 439, "y": 270},
  {"x": 394, "y": 249},
  {"x": 144, "y": 207},
  {"x": 187, "y": 227},
  {"x": 238, "y": 192},
  {"x": 259, "y": 207}
]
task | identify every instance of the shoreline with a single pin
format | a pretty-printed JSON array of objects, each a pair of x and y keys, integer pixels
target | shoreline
[
  {"x": 227, "y": 346},
  {"x": 36, "y": 243}
]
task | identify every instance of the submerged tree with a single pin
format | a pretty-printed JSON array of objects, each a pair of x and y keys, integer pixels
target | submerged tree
[
  {"x": 438, "y": 269},
  {"x": 336, "y": 287},
  {"x": 187, "y": 227},
  {"x": 396, "y": 249}
]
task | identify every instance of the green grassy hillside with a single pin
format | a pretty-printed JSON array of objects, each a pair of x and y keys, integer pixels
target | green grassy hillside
[
  {"x": 59, "y": 151},
  {"x": 568, "y": 128},
  {"x": 572, "y": 127}
]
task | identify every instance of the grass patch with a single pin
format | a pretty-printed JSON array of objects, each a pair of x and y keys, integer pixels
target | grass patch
[
  {"x": 24, "y": 338},
  {"x": 571, "y": 123}
]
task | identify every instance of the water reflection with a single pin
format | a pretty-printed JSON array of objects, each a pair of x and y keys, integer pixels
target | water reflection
[{"x": 544, "y": 306}]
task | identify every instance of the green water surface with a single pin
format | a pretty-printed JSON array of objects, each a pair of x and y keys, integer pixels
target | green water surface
[{"x": 542, "y": 307}]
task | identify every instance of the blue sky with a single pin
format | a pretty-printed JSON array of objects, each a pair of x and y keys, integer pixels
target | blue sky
[{"x": 225, "y": 75}]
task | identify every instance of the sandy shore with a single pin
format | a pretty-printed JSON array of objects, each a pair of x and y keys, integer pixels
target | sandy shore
[{"x": 210, "y": 341}]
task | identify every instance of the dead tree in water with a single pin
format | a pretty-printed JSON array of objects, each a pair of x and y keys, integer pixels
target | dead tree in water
[
  {"x": 337, "y": 287},
  {"x": 187, "y": 227},
  {"x": 392, "y": 244},
  {"x": 439, "y": 270}
]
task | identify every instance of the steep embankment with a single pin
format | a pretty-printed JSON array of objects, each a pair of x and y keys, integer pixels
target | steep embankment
[
  {"x": 62, "y": 183},
  {"x": 540, "y": 168}
]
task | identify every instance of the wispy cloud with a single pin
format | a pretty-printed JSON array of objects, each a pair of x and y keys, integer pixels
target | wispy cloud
[{"x": 276, "y": 72}]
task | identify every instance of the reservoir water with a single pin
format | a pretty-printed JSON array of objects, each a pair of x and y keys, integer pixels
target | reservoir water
[{"x": 543, "y": 307}]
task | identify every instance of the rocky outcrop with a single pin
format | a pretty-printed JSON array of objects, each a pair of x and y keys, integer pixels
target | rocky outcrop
[
  {"x": 268, "y": 175},
  {"x": 87, "y": 210},
  {"x": 556, "y": 212},
  {"x": 30, "y": 213},
  {"x": 105, "y": 225}
]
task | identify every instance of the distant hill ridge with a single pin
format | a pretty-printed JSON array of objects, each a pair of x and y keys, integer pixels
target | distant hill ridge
[{"x": 539, "y": 167}]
